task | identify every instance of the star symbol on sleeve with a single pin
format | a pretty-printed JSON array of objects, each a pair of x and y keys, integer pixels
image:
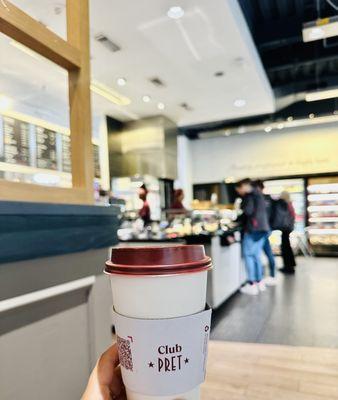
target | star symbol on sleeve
[
  {"x": 151, "y": 364},
  {"x": 186, "y": 361}
]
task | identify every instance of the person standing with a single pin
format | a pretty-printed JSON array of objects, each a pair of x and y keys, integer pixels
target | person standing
[
  {"x": 270, "y": 280},
  {"x": 255, "y": 231},
  {"x": 289, "y": 261},
  {"x": 144, "y": 212},
  {"x": 177, "y": 204}
]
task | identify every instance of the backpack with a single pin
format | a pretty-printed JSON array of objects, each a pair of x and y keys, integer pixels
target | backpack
[{"x": 281, "y": 218}]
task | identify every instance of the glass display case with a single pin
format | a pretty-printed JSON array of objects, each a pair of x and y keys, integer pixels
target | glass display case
[
  {"x": 323, "y": 214},
  {"x": 296, "y": 189}
]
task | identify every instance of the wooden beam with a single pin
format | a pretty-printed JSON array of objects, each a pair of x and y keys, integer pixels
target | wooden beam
[
  {"x": 19, "y": 191},
  {"x": 79, "y": 98},
  {"x": 31, "y": 33}
]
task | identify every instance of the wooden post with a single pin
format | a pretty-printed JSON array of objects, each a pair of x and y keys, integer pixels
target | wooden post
[{"x": 79, "y": 97}]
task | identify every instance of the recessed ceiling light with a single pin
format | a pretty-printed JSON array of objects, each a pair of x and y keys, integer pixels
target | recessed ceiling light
[
  {"x": 241, "y": 129},
  {"x": 239, "y": 103},
  {"x": 161, "y": 106},
  {"x": 311, "y": 116},
  {"x": 227, "y": 132},
  {"x": 121, "y": 81},
  {"x": 268, "y": 129},
  {"x": 146, "y": 98},
  {"x": 290, "y": 119},
  {"x": 280, "y": 126},
  {"x": 5, "y": 103},
  {"x": 175, "y": 12}
]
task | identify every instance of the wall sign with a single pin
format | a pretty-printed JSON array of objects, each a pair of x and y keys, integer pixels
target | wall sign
[
  {"x": 66, "y": 154},
  {"x": 15, "y": 141},
  {"x": 45, "y": 148}
]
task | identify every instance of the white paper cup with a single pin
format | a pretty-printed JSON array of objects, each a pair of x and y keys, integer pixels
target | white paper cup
[{"x": 159, "y": 283}]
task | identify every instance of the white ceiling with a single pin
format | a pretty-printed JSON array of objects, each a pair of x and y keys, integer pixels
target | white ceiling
[{"x": 212, "y": 36}]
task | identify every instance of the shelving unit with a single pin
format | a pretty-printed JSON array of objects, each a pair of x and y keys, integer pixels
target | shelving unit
[
  {"x": 323, "y": 215},
  {"x": 296, "y": 188}
]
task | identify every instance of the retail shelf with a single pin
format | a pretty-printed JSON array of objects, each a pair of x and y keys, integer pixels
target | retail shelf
[{"x": 323, "y": 188}]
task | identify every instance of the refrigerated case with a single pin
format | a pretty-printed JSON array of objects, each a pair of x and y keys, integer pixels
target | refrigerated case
[
  {"x": 296, "y": 189},
  {"x": 322, "y": 209}
]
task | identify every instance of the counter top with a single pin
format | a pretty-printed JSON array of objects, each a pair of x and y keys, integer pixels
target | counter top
[{"x": 31, "y": 230}]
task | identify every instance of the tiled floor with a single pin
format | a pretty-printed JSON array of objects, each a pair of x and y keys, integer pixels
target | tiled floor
[{"x": 301, "y": 311}]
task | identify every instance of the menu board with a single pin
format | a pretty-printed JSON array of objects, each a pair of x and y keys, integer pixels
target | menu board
[
  {"x": 45, "y": 148},
  {"x": 96, "y": 156},
  {"x": 15, "y": 141},
  {"x": 66, "y": 154},
  {"x": 26, "y": 144}
]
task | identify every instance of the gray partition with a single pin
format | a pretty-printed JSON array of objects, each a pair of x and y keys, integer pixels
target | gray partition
[{"x": 55, "y": 302}]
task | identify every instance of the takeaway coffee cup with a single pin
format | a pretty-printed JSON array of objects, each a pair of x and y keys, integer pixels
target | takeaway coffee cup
[{"x": 159, "y": 287}]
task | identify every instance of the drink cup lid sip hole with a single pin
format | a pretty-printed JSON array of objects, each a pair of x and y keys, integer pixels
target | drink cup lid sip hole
[{"x": 159, "y": 260}]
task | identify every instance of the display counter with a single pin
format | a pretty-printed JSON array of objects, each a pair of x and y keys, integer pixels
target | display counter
[
  {"x": 55, "y": 303},
  {"x": 228, "y": 272}
]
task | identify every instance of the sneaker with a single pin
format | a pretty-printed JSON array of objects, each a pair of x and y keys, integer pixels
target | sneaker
[
  {"x": 252, "y": 290},
  {"x": 270, "y": 281},
  {"x": 261, "y": 286}
]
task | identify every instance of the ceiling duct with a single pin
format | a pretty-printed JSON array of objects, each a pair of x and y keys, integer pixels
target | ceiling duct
[
  {"x": 186, "y": 106},
  {"x": 144, "y": 147},
  {"x": 106, "y": 42},
  {"x": 157, "y": 82}
]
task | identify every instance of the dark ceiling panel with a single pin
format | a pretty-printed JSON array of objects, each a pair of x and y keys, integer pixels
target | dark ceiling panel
[
  {"x": 276, "y": 26},
  {"x": 285, "y": 8},
  {"x": 292, "y": 66}
]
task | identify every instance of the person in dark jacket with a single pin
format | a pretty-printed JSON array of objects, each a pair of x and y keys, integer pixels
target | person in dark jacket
[
  {"x": 255, "y": 231},
  {"x": 270, "y": 280},
  {"x": 286, "y": 228}
]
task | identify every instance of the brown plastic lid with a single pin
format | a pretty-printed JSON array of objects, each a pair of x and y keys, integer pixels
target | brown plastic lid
[{"x": 158, "y": 260}]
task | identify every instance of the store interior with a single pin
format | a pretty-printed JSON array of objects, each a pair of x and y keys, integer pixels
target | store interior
[{"x": 129, "y": 124}]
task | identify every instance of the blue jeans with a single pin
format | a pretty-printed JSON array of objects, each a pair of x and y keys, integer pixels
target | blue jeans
[
  {"x": 252, "y": 246},
  {"x": 268, "y": 252}
]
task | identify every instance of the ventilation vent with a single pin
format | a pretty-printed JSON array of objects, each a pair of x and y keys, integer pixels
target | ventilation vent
[
  {"x": 110, "y": 45},
  {"x": 186, "y": 106},
  {"x": 157, "y": 82}
]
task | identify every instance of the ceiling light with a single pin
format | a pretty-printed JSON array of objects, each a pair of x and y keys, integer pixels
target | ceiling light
[
  {"x": 315, "y": 33},
  {"x": 290, "y": 119},
  {"x": 268, "y": 129},
  {"x": 227, "y": 132},
  {"x": 5, "y": 103},
  {"x": 175, "y": 12},
  {"x": 280, "y": 126},
  {"x": 241, "y": 130},
  {"x": 239, "y": 103},
  {"x": 121, "y": 81},
  {"x": 321, "y": 94},
  {"x": 311, "y": 116},
  {"x": 320, "y": 29},
  {"x": 146, "y": 98},
  {"x": 161, "y": 106},
  {"x": 109, "y": 94}
]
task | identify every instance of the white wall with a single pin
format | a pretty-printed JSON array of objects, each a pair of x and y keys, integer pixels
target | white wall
[
  {"x": 184, "y": 168},
  {"x": 287, "y": 152}
]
